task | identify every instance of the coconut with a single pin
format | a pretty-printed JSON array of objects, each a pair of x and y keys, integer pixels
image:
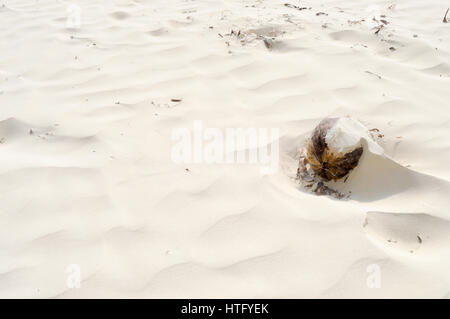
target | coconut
[{"x": 335, "y": 147}]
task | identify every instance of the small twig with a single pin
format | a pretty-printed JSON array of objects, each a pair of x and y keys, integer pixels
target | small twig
[
  {"x": 445, "y": 17},
  {"x": 295, "y": 7},
  {"x": 268, "y": 43},
  {"x": 373, "y": 74},
  {"x": 379, "y": 28}
]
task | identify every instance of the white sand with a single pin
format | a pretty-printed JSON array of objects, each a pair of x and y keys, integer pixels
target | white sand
[
  {"x": 93, "y": 183},
  {"x": 347, "y": 134}
]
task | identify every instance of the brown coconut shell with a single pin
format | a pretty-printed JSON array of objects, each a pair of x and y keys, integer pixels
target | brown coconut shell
[{"x": 323, "y": 162}]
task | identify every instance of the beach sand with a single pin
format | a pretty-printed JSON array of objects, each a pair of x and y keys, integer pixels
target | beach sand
[{"x": 91, "y": 95}]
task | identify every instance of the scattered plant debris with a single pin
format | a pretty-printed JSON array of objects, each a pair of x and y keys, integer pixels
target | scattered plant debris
[
  {"x": 445, "y": 20},
  {"x": 296, "y": 7},
  {"x": 381, "y": 26},
  {"x": 267, "y": 35},
  {"x": 322, "y": 189},
  {"x": 374, "y": 132},
  {"x": 373, "y": 74},
  {"x": 355, "y": 21},
  {"x": 268, "y": 43}
]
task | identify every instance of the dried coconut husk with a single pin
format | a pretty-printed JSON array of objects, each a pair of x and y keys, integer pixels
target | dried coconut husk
[{"x": 323, "y": 161}]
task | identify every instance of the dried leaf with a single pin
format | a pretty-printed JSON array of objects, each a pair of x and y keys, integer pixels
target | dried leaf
[{"x": 445, "y": 20}]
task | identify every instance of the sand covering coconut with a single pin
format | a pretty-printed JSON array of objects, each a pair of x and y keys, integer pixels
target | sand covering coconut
[
  {"x": 334, "y": 149},
  {"x": 332, "y": 152}
]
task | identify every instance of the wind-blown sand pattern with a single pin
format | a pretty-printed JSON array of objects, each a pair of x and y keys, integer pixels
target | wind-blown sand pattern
[{"x": 86, "y": 176}]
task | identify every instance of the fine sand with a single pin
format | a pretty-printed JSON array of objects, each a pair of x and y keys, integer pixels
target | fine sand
[{"x": 88, "y": 185}]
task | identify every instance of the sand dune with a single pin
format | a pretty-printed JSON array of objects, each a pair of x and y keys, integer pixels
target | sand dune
[{"x": 87, "y": 177}]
